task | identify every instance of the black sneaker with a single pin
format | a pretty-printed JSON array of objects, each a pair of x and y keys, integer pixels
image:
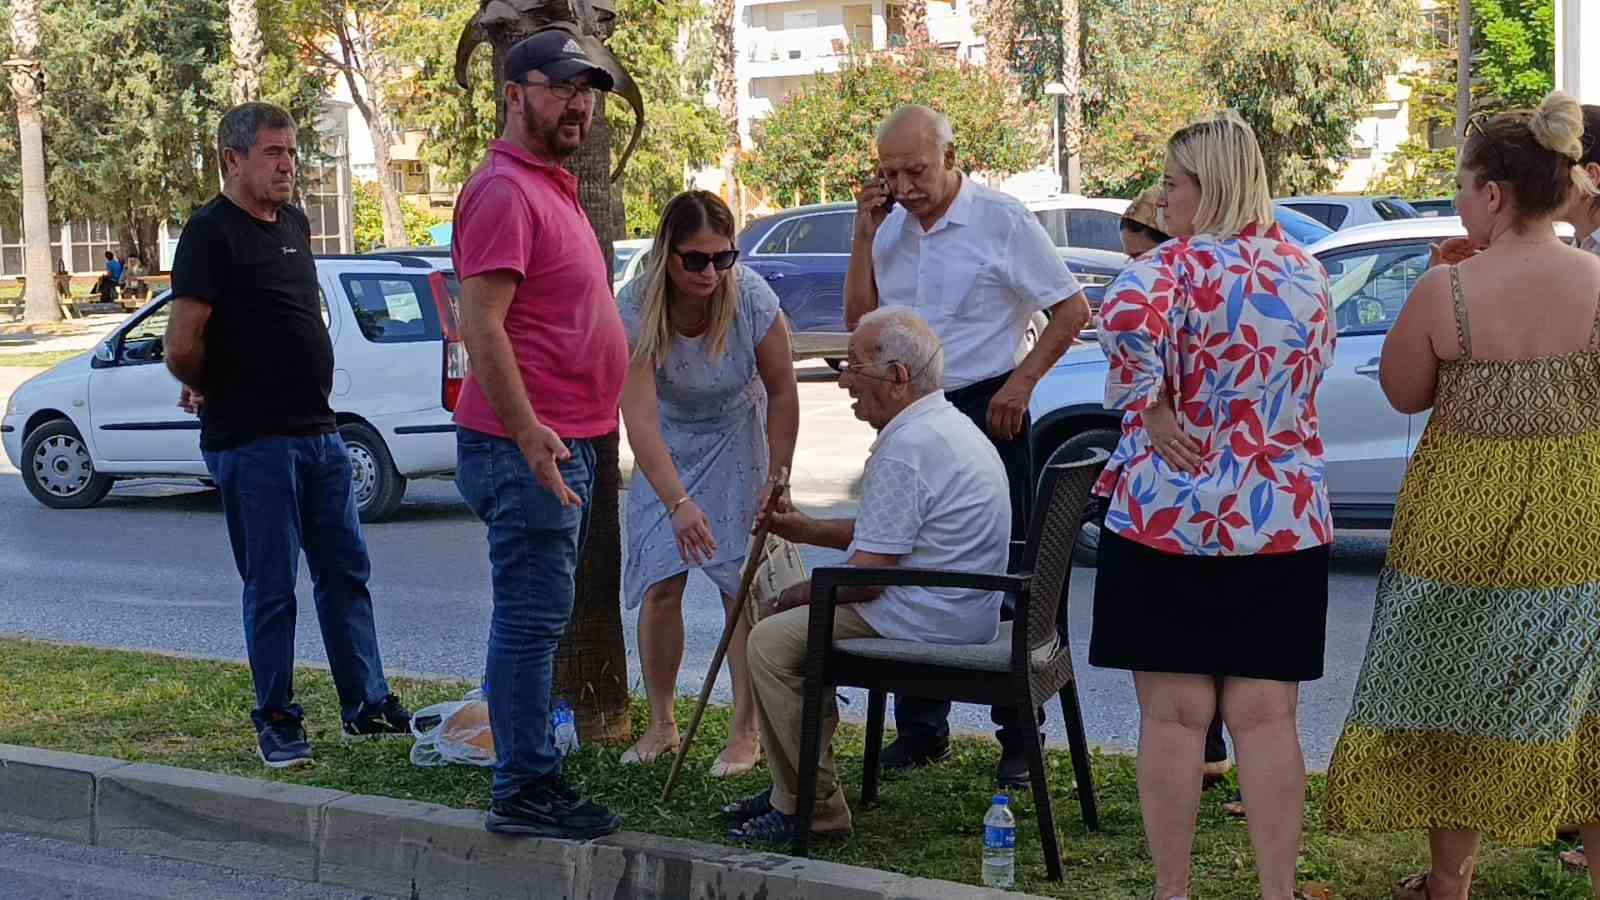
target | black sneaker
[
  {"x": 281, "y": 743},
  {"x": 903, "y": 754},
  {"x": 1012, "y": 772},
  {"x": 385, "y": 719},
  {"x": 548, "y": 808}
]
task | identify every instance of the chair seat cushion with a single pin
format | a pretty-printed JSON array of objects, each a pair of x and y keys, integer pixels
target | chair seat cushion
[{"x": 994, "y": 656}]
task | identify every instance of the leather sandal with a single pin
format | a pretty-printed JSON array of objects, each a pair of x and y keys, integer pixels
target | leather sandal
[
  {"x": 1576, "y": 859},
  {"x": 1413, "y": 887},
  {"x": 777, "y": 828}
]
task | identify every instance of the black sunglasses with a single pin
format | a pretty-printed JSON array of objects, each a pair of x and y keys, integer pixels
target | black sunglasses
[
  {"x": 1476, "y": 123},
  {"x": 695, "y": 261}
]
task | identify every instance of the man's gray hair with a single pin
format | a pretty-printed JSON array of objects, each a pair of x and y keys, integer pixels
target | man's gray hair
[
  {"x": 904, "y": 337},
  {"x": 944, "y": 136},
  {"x": 239, "y": 126}
]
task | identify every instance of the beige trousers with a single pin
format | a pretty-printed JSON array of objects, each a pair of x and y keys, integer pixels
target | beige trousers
[{"x": 777, "y": 671}]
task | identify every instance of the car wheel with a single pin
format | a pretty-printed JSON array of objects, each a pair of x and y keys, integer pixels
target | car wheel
[
  {"x": 1086, "y": 551},
  {"x": 57, "y": 469},
  {"x": 378, "y": 485},
  {"x": 834, "y": 363}
]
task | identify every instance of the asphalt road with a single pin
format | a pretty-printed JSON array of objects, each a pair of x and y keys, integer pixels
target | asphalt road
[{"x": 150, "y": 568}]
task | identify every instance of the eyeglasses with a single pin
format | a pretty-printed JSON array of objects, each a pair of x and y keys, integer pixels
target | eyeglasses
[
  {"x": 854, "y": 369},
  {"x": 1476, "y": 122},
  {"x": 695, "y": 261},
  {"x": 562, "y": 90}
]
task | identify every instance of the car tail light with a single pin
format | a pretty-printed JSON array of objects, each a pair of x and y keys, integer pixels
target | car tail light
[{"x": 454, "y": 365}]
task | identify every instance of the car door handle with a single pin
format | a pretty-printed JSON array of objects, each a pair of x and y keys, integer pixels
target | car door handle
[
  {"x": 1371, "y": 368},
  {"x": 773, "y": 276}
]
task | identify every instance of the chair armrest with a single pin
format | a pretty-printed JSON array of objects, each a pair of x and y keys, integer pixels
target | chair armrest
[{"x": 827, "y": 580}]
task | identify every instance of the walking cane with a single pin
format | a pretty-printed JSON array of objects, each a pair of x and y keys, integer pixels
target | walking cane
[{"x": 751, "y": 566}]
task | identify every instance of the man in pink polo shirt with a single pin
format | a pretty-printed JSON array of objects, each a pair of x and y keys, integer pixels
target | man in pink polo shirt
[{"x": 549, "y": 356}]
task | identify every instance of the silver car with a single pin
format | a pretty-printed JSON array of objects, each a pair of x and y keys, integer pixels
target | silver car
[{"x": 1372, "y": 269}]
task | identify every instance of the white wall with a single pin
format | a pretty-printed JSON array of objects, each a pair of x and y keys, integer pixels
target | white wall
[{"x": 1577, "y": 56}]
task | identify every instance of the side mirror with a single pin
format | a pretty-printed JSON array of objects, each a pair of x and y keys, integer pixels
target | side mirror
[{"x": 105, "y": 355}]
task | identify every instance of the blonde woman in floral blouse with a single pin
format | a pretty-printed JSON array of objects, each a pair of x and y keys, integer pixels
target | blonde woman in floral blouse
[{"x": 1214, "y": 558}]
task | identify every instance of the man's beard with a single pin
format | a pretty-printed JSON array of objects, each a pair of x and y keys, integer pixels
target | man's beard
[{"x": 556, "y": 141}]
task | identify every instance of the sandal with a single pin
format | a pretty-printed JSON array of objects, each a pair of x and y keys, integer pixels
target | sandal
[
  {"x": 721, "y": 768},
  {"x": 777, "y": 828},
  {"x": 1576, "y": 859},
  {"x": 1413, "y": 887},
  {"x": 742, "y": 811}
]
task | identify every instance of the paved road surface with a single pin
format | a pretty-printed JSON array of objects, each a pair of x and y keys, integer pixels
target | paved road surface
[{"x": 37, "y": 868}]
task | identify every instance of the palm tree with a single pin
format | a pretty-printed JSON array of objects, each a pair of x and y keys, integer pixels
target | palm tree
[
  {"x": 249, "y": 51},
  {"x": 725, "y": 78},
  {"x": 27, "y": 86},
  {"x": 591, "y": 667},
  {"x": 1072, "y": 79}
]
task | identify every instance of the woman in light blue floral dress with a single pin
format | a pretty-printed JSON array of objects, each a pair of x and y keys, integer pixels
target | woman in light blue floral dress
[{"x": 711, "y": 410}]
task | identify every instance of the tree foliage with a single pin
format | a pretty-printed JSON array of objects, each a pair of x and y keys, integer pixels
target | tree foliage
[
  {"x": 819, "y": 143},
  {"x": 1513, "y": 66},
  {"x": 369, "y": 220},
  {"x": 135, "y": 89}
]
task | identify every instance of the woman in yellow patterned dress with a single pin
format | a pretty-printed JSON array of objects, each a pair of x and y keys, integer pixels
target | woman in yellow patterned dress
[{"x": 1478, "y": 707}]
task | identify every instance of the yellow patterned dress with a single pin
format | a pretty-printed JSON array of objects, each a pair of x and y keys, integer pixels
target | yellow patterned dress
[{"x": 1478, "y": 705}]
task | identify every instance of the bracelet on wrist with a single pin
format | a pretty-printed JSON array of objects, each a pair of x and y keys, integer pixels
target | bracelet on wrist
[{"x": 672, "y": 508}]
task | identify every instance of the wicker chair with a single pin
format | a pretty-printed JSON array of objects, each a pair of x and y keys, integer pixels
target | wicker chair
[{"x": 1022, "y": 667}]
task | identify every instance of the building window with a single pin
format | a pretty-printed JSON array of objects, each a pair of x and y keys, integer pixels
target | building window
[
  {"x": 324, "y": 206},
  {"x": 90, "y": 241}
]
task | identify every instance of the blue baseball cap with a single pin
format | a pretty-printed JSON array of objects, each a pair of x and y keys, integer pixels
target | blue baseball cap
[{"x": 555, "y": 54}]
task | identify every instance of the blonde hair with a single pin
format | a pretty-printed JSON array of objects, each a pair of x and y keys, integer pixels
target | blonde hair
[
  {"x": 1222, "y": 156},
  {"x": 686, "y": 216},
  {"x": 1558, "y": 127}
]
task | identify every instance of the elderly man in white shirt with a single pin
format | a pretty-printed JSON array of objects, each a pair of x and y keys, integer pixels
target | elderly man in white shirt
[
  {"x": 977, "y": 265},
  {"x": 933, "y": 495}
]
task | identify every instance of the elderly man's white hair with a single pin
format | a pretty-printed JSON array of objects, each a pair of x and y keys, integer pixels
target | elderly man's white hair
[
  {"x": 944, "y": 136},
  {"x": 904, "y": 337}
]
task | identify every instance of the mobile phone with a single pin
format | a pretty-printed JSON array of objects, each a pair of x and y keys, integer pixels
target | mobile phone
[{"x": 888, "y": 195}]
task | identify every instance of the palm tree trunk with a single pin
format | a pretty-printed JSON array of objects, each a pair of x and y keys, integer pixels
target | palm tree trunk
[
  {"x": 27, "y": 86},
  {"x": 591, "y": 666},
  {"x": 1072, "y": 79},
  {"x": 249, "y": 51},
  {"x": 725, "y": 77}
]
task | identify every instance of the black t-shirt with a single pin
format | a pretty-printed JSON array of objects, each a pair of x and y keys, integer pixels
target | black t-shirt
[{"x": 268, "y": 359}]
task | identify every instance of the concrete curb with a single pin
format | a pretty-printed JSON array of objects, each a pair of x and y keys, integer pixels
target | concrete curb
[{"x": 400, "y": 848}]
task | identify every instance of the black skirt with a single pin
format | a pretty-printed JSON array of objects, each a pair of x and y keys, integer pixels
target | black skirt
[{"x": 1263, "y": 616}]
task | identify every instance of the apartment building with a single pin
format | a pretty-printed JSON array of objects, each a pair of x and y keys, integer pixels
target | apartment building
[{"x": 783, "y": 44}]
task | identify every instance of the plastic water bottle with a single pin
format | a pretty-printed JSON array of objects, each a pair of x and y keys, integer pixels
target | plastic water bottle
[
  {"x": 564, "y": 727},
  {"x": 999, "y": 844}
]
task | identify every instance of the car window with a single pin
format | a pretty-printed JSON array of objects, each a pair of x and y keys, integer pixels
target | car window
[
  {"x": 142, "y": 343},
  {"x": 1388, "y": 210},
  {"x": 1329, "y": 214},
  {"x": 1370, "y": 285},
  {"x": 1055, "y": 224},
  {"x": 619, "y": 260},
  {"x": 1095, "y": 228},
  {"x": 824, "y": 233},
  {"x": 393, "y": 309}
]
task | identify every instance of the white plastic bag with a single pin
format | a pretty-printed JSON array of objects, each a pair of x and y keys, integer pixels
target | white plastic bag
[{"x": 454, "y": 732}]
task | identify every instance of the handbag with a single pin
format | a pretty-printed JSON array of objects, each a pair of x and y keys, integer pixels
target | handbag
[{"x": 781, "y": 568}]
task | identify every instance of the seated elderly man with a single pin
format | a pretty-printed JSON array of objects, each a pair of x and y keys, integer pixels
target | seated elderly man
[{"x": 934, "y": 495}]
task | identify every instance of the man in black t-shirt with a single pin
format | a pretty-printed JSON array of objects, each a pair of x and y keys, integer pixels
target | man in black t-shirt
[{"x": 247, "y": 340}]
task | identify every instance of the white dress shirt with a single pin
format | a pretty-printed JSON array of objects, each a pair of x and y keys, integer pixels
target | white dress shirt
[
  {"x": 977, "y": 276},
  {"x": 935, "y": 494}
]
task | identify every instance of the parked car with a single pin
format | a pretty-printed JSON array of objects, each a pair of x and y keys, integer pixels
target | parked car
[
  {"x": 1372, "y": 270},
  {"x": 1442, "y": 206},
  {"x": 111, "y": 413},
  {"x": 1299, "y": 227},
  {"x": 623, "y": 253},
  {"x": 1348, "y": 212},
  {"x": 804, "y": 253},
  {"x": 1077, "y": 221}
]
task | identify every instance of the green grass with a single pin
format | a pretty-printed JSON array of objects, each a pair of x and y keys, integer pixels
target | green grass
[
  {"x": 42, "y": 360},
  {"x": 150, "y": 708}
]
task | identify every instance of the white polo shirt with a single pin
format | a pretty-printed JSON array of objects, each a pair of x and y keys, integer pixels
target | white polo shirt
[
  {"x": 976, "y": 276},
  {"x": 934, "y": 494}
]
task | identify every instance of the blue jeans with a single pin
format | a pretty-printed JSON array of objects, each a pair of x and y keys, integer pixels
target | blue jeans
[
  {"x": 281, "y": 495},
  {"x": 534, "y": 545}
]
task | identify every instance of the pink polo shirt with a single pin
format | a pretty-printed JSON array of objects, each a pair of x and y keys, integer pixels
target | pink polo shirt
[{"x": 517, "y": 214}]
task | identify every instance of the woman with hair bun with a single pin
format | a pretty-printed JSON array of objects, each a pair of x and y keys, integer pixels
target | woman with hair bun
[{"x": 1478, "y": 707}]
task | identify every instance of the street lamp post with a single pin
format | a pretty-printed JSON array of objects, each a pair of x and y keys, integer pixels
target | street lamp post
[{"x": 1059, "y": 91}]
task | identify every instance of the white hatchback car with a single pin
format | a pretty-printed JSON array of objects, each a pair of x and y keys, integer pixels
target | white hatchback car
[{"x": 112, "y": 413}]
